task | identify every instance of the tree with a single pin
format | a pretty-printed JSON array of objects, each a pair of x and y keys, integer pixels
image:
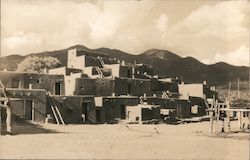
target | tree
[{"x": 37, "y": 64}]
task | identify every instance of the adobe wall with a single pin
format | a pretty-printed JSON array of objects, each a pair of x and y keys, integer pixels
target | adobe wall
[
  {"x": 85, "y": 86},
  {"x": 135, "y": 87},
  {"x": 44, "y": 81},
  {"x": 12, "y": 79},
  {"x": 75, "y": 61},
  {"x": 201, "y": 105},
  {"x": 183, "y": 106},
  {"x": 113, "y": 107},
  {"x": 70, "y": 108},
  {"x": 195, "y": 90},
  {"x": 39, "y": 81},
  {"x": 125, "y": 71},
  {"x": 140, "y": 71},
  {"x": 18, "y": 98},
  {"x": 104, "y": 86}
]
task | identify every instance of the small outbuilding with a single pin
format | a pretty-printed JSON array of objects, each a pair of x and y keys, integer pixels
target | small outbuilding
[{"x": 142, "y": 113}]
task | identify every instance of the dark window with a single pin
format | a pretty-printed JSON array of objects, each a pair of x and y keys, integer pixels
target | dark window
[
  {"x": 129, "y": 73},
  {"x": 129, "y": 88},
  {"x": 57, "y": 88}
]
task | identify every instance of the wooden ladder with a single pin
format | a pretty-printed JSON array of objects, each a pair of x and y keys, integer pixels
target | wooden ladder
[
  {"x": 2, "y": 88},
  {"x": 99, "y": 71},
  {"x": 102, "y": 62},
  {"x": 55, "y": 110}
]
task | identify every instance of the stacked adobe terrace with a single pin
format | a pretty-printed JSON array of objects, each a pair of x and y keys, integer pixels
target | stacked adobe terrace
[{"x": 94, "y": 88}]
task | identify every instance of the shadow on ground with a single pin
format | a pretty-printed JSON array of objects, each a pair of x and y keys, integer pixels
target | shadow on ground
[{"x": 30, "y": 128}]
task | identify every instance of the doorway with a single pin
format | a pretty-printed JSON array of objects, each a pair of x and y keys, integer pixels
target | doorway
[
  {"x": 57, "y": 88},
  {"x": 84, "y": 109},
  {"x": 98, "y": 116},
  {"x": 29, "y": 109},
  {"x": 123, "y": 111},
  {"x": 178, "y": 111}
]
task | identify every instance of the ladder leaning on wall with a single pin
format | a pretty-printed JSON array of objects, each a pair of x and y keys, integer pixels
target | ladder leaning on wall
[{"x": 57, "y": 115}]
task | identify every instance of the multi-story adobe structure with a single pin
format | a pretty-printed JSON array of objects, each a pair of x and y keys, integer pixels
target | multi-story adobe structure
[{"x": 95, "y": 88}]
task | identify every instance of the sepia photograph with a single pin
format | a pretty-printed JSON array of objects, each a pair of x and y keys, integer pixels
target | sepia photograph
[{"x": 125, "y": 79}]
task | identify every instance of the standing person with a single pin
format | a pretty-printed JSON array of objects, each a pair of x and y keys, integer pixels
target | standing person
[{"x": 6, "y": 116}]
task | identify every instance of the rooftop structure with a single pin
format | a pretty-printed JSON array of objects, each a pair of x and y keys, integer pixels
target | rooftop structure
[{"x": 94, "y": 88}]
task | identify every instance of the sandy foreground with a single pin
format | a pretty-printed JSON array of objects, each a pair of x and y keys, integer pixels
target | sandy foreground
[{"x": 185, "y": 141}]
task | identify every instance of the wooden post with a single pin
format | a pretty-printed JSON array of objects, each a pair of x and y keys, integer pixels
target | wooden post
[
  {"x": 8, "y": 117},
  {"x": 211, "y": 121},
  {"x": 229, "y": 92},
  {"x": 239, "y": 115},
  {"x": 0, "y": 115},
  {"x": 8, "y": 109},
  {"x": 227, "y": 124},
  {"x": 217, "y": 116},
  {"x": 238, "y": 88}
]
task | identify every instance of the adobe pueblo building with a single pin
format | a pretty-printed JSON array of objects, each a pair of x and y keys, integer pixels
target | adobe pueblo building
[{"x": 94, "y": 88}]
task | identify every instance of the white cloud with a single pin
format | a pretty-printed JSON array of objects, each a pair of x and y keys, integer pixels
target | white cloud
[
  {"x": 19, "y": 41},
  {"x": 162, "y": 23},
  {"x": 239, "y": 57},
  {"x": 131, "y": 26},
  {"x": 222, "y": 20}
]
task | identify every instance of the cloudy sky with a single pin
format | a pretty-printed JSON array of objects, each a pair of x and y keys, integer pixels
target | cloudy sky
[{"x": 208, "y": 30}]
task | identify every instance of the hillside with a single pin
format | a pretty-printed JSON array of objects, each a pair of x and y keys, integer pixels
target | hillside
[{"x": 165, "y": 63}]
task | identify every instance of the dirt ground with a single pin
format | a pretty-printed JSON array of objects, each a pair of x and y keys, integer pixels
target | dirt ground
[{"x": 185, "y": 141}]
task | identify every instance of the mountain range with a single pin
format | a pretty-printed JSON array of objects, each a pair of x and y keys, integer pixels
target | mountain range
[{"x": 165, "y": 63}]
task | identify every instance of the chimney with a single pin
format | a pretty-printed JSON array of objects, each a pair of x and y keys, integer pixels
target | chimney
[
  {"x": 45, "y": 70},
  {"x": 205, "y": 82},
  {"x": 30, "y": 86},
  {"x": 123, "y": 63}
]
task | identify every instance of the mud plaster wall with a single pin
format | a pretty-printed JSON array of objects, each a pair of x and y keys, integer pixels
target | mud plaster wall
[
  {"x": 39, "y": 103},
  {"x": 113, "y": 107},
  {"x": 38, "y": 81},
  {"x": 70, "y": 108},
  {"x": 133, "y": 87},
  {"x": 104, "y": 87},
  {"x": 45, "y": 81},
  {"x": 183, "y": 106},
  {"x": 85, "y": 86},
  {"x": 125, "y": 71},
  {"x": 75, "y": 61},
  {"x": 140, "y": 70},
  {"x": 12, "y": 79},
  {"x": 201, "y": 105}
]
